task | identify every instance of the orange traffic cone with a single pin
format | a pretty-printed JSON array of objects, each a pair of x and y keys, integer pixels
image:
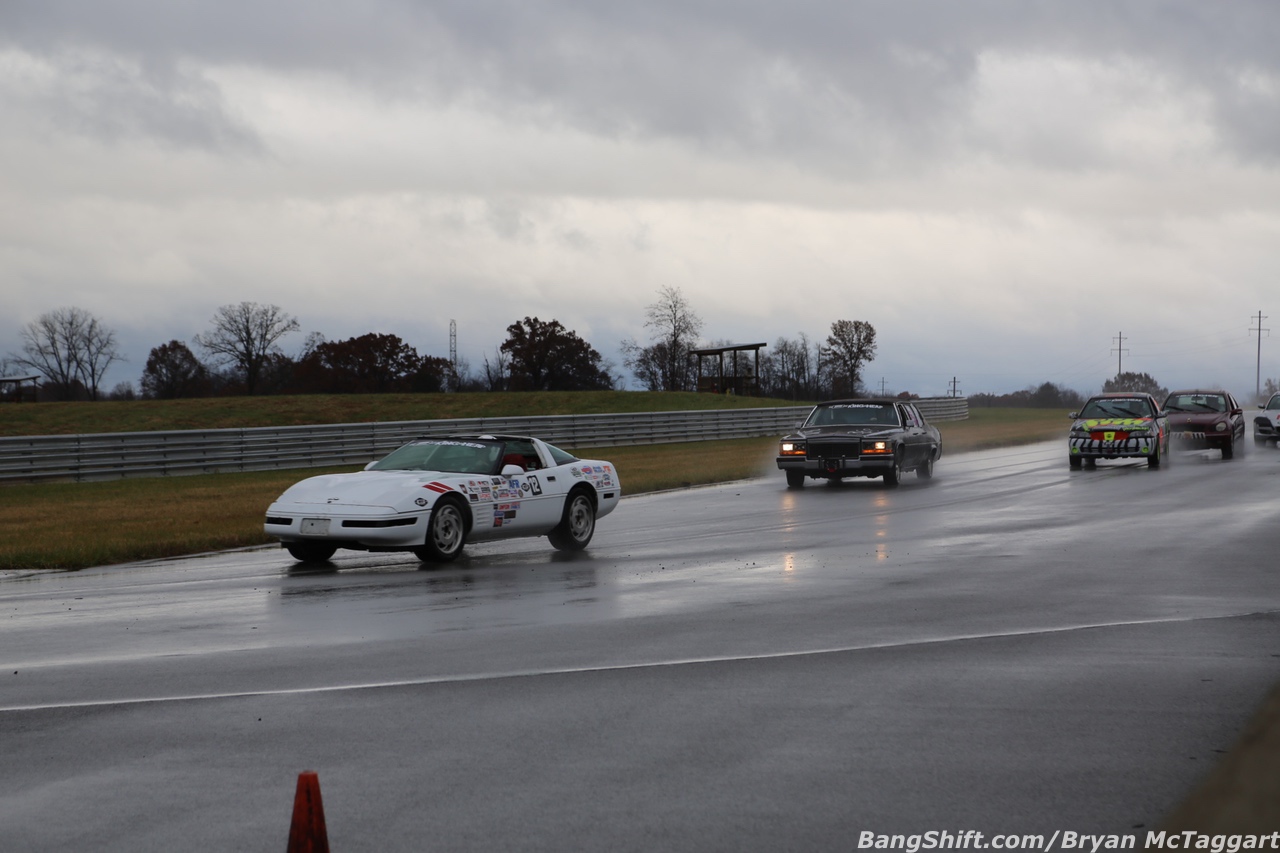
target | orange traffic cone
[{"x": 307, "y": 833}]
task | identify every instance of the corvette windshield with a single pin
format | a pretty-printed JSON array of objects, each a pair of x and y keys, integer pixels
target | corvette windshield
[
  {"x": 449, "y": 456},
  {"x": 1116, "y": 408},
  {"x": 856, "y": 414}
]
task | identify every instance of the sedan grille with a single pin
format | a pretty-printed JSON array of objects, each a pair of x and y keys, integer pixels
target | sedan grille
[{"x": 834, "y": 449}]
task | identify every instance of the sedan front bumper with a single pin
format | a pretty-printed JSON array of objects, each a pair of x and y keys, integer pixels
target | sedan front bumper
[
  {"x": 1140, "y": 446},
  {"x": 838, "y": 466}
]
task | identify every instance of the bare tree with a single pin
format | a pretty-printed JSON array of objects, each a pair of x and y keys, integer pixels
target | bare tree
[
  {"x": 666, "y": 364},
  {"x": 247, "y": 335},
  {"x": 791, "y": 371},
  {"x": 71, "y": 349},
  {"x": 850, "y": 346},
  {"x": 497, "y": 373}
]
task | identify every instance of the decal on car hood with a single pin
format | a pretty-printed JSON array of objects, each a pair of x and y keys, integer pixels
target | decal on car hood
[{"x": 1113, "y": 423}]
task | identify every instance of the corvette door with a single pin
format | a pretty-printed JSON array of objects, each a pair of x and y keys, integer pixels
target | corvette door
[{"x": 529, "y": 502}]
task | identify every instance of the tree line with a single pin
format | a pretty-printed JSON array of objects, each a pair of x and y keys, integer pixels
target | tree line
[
  {"x": 241, "y": 353},
  {"x": 1049, "y": 395}
]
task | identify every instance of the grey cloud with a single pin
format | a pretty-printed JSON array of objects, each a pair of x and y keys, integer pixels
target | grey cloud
[
  {"x": 833, "y": 82},
  {"x": 111, "y": 99}
]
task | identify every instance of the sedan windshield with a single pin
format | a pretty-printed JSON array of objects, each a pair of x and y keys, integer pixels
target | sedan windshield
[
  {"x": 1196, "y": 403},
  {"x": 1116, "y": 407},
  {"x": 1274, "y": 402},
  {"x": 854, "y": 414},
  {"x": 451, "y": 456}
]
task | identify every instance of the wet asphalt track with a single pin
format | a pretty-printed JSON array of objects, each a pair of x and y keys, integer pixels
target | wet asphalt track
[{"x": 1013, "y": 647}]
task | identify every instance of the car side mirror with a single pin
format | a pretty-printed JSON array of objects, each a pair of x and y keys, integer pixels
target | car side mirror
[
  {"x": 1073, "y": 415},
  {"x": 1237, "y": 411},
  {"x": 512, "y": 470},
  {"x": 371, "y": 464}
]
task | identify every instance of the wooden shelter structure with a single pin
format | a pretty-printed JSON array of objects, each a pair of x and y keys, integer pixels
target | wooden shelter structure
[
  {"x": 739, "y": 373},
  {"x": 12, "y": 388}
]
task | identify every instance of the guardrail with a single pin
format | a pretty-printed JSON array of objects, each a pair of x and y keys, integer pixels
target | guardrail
[{"x": 110, "y": 456}]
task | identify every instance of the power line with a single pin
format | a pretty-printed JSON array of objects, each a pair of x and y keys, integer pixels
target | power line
[
  {"x": 1257, "y": 392},
  {"x": 1120, "y": 350}
]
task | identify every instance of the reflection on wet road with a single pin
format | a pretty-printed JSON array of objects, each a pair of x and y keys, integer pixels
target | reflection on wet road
[{"x": 1008, "y": 604}]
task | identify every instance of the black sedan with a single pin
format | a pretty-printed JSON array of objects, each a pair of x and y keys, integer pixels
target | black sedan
[
  {"x": 1200, "y": 420},
  {"x": 860, "y": 438}
]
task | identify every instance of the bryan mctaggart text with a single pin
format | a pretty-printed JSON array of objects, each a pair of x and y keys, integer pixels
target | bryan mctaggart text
[{"x": 972, "y": 839}]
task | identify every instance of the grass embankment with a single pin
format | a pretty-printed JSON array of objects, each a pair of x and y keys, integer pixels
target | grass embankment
[
  {"x": 308, "y": 409},
  {"x": 75, "y": 525}
]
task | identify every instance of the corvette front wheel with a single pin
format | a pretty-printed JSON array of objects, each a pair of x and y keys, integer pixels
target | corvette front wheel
[
  {"x": 446, "y": 533},
  {"x": 310, "y": 552}
]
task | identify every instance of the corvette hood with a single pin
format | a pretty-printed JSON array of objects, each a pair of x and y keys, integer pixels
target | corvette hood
[{"x": 396, "y": 490}]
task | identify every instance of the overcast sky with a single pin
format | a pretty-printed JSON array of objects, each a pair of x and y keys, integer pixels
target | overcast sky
[{"x": 1000, "y": 188}]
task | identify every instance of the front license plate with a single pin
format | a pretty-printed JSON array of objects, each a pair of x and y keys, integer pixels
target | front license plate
[{"x": 315, "y": 526}]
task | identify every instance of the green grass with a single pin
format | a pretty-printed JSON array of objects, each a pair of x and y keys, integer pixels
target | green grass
[
  {"x": 306, "y": 409},
  {"x": 76, "y": 525}
]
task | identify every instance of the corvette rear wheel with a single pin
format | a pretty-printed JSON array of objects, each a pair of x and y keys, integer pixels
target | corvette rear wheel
[
  {"x": 577, "y": 525},
  {"x": 310, "y": 552},
  {"x": 446, "y": 533},
  {"x": 1075, "y": 461}
]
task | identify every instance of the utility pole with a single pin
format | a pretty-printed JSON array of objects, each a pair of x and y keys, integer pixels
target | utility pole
[
  {"x": 1120, "y": 350},
  {"x": 881, "y": 386},
  {"x": 452, "y": 382},
  {"x": 1257, "y": 391},
  {"x": 955, "y": 392}
]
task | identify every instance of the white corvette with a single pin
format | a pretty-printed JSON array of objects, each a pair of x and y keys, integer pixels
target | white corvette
[{"x": 434, "y": 495}]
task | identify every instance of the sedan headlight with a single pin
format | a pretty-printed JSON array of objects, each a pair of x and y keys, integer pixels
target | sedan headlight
[
  {"x": 877, "y": 447},
  {"x": 791, "y": 448},
  {"x": 1221, "y": 427}
]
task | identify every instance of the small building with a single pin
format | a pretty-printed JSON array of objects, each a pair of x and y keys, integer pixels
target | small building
[
  {"x": 733, "y": 369},
  {"x": 14, "y": 389}
]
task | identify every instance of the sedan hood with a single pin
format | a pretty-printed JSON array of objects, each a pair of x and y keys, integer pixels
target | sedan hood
[
  {"x": 388, "y": 489},
  {"x": 1112, "y": 424},
  {"x": 852, "y": 430},
  {"x": 1195, "y": 419}
]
